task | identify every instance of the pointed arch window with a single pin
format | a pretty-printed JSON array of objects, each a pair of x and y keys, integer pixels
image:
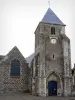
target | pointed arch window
[
  {"x": 53, "y": 30},
  {"x": 15, "y": 67}
]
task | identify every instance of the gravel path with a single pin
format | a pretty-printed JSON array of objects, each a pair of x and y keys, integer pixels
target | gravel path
[{"x": 20, "y": 96}]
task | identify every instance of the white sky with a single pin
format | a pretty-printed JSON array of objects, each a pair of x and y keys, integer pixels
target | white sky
[{"x": 19, "y": 19}]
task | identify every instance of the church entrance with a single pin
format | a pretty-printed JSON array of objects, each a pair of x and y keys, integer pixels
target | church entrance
[{"x": 52, "y": 88}]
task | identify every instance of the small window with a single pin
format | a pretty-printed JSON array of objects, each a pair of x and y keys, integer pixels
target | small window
[
  {"x": 53, "y": 56},
  {"x": 53, "y": 30},
  {"x": 72, "y": 71},
  {"x": 15, "y": 67}
]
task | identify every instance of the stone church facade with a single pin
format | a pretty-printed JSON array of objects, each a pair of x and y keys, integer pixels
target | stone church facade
[
  {"x": 47, "y": 72},
  {"x": 52, "y": 62}
]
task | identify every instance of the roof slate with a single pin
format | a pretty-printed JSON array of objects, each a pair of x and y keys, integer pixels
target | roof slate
[
  {"x": 30, "y": 58},
  {"x": 51, "y": 17}
]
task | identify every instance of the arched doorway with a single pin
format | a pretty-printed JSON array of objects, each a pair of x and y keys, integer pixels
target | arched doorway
[{"x": 52, "y": 88}]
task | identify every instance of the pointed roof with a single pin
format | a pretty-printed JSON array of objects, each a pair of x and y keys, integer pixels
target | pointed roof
[{"x": 51, "y": 17}]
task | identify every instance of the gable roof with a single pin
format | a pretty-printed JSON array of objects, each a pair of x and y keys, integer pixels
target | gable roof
[
  {"x": 51, "y": 17},
  {"x": 30, "y": 58},
  {"x": 16, "y": 51}
]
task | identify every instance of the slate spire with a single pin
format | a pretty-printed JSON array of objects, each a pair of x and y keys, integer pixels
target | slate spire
[{"x": 51, "y": 17}]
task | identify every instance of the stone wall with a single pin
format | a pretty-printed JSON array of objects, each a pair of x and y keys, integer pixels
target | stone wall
[
  {"x": 14, "y": 83},
  {"x": 67, "y": 66},
  {"x": 60, "y": 64},
  {"x": 1, "y": 77}
]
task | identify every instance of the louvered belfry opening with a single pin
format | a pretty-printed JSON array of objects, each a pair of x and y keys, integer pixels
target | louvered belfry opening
[{"x": 53, "y": 30}]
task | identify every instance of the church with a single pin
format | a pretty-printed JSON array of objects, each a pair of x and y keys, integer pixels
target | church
[
  {"x": 51, "y": 65},
  {"x": 46, "y": 72}
]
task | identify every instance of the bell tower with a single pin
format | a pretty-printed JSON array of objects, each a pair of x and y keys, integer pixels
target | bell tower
[{"x": 52, "y": 62}]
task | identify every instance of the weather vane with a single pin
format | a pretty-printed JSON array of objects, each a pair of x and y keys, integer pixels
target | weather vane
[{"x": 49, "y": 3}]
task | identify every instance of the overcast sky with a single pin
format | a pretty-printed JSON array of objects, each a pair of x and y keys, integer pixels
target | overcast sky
[{"x": 19, "y": 19}]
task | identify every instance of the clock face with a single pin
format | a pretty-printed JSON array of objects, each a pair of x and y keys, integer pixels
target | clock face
[{"x": 53, "y": 41}]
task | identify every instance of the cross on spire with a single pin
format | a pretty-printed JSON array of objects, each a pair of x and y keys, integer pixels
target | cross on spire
[{"x": 49, "y": 3}]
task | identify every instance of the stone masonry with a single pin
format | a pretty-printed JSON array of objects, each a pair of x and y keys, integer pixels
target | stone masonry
[
  {"x": 52, "y": 61},
  {"x": 10, "y": 83}
]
